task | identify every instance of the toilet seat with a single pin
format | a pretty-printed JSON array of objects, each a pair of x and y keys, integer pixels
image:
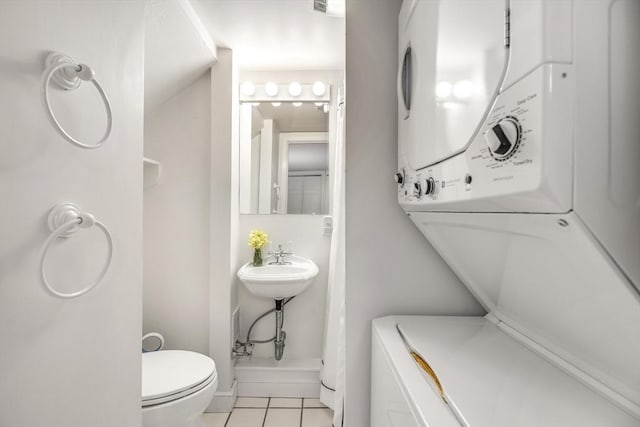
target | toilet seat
[{"x": 169, "y": 375}]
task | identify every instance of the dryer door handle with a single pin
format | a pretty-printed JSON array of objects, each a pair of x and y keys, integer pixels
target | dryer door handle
[{"x": 405, "y": 80}]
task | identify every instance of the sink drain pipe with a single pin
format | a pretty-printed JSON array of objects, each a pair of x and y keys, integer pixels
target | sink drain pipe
[
  {"x": 246, "y": 348},
  {"x": 280, "y": 334}
]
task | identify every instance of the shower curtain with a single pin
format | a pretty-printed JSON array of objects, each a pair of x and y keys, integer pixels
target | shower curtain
[{"x": 332, "y": 374}]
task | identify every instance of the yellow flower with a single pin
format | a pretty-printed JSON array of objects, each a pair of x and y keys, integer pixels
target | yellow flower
[{"x": 257, "y": 239}]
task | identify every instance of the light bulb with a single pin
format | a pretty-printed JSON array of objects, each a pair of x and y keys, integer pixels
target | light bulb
[
  {"x": 276, "y": 104},
  {"x": 295, "y": 89},
  {"x": 443, "y": 90},
  {"x": 297, "y": 104},
  {"x": 318, "y": 88},
  {"x": 248, "y": 89},
  {"x": 271, "y": 89},
  {"x": 463, "y": 89}
]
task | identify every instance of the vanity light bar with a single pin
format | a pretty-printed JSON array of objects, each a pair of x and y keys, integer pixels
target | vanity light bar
[{"x": 285, "y": 92}]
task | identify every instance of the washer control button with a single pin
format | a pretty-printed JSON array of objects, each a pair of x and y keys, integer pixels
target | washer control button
[
  {"x": 399, "y": 179},
  {"x": 417, "y": 189},
  {"x": 430, "y": 186}
]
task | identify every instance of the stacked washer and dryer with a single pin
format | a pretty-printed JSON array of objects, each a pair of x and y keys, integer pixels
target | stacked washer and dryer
[{"x": 519, "y": 160}]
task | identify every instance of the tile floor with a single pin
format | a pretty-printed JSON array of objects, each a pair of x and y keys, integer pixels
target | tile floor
[{"x": 272, "y": 412}]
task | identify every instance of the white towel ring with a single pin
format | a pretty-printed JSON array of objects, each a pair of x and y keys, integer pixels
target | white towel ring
[
  {"x": 64, "y": 221},
  {"x": 67, "y": 74},
  {"x": 157, "y": 336}
]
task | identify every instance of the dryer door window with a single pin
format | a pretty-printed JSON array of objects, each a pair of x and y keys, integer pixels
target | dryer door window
[{"x": 458, "y": 56}]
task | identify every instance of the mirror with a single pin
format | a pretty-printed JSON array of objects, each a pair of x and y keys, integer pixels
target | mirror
[
  {"x": 284, "y": 149},
  {"x": 303, "y": 178}
]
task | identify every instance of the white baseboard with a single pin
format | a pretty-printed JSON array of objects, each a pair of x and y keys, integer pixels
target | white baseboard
[
  {"x": 224, "y": 401},
  {"x": 285, "y": 378},
  {"x": 327, "y": 397}
]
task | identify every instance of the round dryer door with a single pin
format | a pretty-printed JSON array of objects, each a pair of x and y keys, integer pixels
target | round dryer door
[{"x": 453, "y": 54}]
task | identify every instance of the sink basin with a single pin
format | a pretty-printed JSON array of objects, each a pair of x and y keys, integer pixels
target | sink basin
[{"x": 279, "y": 281}]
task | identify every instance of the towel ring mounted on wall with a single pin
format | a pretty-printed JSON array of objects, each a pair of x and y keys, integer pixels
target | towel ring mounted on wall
[
  {"x": 65, "y": 220},
  {"x": 68, "y": 75},
  {"x": 155, "y": 335}
]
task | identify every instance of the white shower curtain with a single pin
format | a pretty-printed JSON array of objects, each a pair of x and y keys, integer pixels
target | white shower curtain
[{"x": 332, "y": 376}]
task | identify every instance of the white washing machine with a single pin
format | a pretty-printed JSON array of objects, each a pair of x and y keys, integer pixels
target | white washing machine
[
  {"x": 519, "y": 160},
  {"x": 490, "y": 379}
]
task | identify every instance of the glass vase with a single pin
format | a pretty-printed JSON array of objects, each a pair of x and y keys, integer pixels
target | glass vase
[{"x": 257, "y": 257}]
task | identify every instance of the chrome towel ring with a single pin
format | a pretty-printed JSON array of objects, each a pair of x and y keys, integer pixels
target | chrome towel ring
[
  {"x": 64, "y": 221},
  {"x": 67, "y": 74}
]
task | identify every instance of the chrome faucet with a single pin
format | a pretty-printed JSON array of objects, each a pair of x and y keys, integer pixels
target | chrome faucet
[{"x": 279, "y": 255}]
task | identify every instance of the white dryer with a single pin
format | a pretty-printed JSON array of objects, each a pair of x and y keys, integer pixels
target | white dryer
[{"x": 519, "y": 161}]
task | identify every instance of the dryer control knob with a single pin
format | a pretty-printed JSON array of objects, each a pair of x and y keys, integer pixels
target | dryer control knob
[
  {"x": 417, "y": 189},
  {"x": 503, "y": 138},
  {"x": 431, "y": 187}
]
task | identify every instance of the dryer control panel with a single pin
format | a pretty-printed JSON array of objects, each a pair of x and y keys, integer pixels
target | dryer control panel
[{"x": 520, "y": 159}]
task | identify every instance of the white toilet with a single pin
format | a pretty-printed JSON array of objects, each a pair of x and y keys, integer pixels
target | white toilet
[{"x": 177, "y": 387}]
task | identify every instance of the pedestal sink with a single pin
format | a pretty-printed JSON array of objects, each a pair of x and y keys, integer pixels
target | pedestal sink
[{"x": 279, "y": 281}]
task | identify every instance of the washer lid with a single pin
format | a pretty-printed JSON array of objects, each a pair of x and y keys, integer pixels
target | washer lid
[
  {"x": 492, "y": 379},
  {"x": 546, "y": 277},
  {"x": 172, "y": 371}
]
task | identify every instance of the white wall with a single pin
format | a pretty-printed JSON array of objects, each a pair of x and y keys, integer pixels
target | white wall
[
  {"x": 71, "y": 363},
  {"x": 304, "y": 316},
  {"x": 224, "y": 208},
  {"x": 176, "y": 219},
  {"x": 391, "y": 268}
]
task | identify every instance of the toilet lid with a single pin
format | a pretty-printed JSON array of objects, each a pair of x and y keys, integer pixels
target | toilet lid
[{"x": 170, "y": 373}]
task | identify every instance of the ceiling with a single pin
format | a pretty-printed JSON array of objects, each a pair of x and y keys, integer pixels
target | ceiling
[
  {"x": 275, "y": 34},
  {"x": 267, "y": 35},
  {"x": 288, "y": 118}
]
